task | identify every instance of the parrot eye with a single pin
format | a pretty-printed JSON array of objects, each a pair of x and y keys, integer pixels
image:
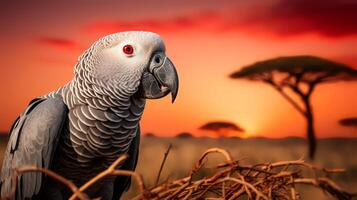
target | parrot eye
[{"x": 128, "y": 49}]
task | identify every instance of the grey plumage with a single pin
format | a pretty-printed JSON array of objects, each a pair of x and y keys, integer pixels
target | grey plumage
[
  {"x": 95, "y": 117},
  {"x": 34, "y": 147}
]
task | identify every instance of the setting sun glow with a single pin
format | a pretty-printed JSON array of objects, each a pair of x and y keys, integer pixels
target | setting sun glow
[{"x": 39, "y": 48}]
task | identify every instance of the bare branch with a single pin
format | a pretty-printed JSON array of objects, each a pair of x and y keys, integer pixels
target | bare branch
[
  {"x": 230, "y": 181},
  {"x": 311, "y": 89},
  {"x": 162, "y": 163},
  {"x": 111, "y": 171},
  {"x": 297, "y": 90},
  {"x": 57, "y": 177},
  {"x": 270, "y": 181},
  {"x": 287, "y": 97}
]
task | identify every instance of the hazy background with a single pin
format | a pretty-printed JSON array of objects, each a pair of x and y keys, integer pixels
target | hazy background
[{"x": 207, "y": 40}]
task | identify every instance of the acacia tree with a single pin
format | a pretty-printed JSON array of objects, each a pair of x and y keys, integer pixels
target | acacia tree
[
  {"x": 184, "y": 135},
  {"x": 221, "y": 127},
  {"x": 349, "y": 122},
  {"x": 301, "y": 75}
]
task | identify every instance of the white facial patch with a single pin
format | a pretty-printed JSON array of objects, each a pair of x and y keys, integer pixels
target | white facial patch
[{"x": 115, "y": 63}]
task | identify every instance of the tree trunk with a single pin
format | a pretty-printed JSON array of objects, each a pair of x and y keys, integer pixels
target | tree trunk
[{"x": 310, "y": 129}]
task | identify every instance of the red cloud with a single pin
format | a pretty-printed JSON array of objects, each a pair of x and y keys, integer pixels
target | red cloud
[
  {"x": 285, "y": 18},
  {"x": 206, "y": 20},
  {"x": 326, "y": 17},
  {"x": 59, "y": 43}
]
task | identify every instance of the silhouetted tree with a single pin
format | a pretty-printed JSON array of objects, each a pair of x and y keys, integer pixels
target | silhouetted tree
[
  {"x": 300, "y": 74},
  {"x": 151, "y": 135},
  {"x": 352, "y": 122},
  {"x": 184, "y": 135},
  {"x": 221, "y": 127}
]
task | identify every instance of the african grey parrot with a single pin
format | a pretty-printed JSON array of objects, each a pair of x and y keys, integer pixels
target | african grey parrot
[{"x": 81, "y": 128}]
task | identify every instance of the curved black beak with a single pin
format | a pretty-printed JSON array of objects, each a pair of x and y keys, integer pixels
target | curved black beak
[{"x": 161, "y": 78}]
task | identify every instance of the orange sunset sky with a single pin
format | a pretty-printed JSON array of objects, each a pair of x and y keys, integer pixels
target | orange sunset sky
[{"x": 207, "y": 40}]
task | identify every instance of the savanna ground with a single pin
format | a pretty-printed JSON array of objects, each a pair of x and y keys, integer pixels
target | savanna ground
[{"x": 331, "y": 153}]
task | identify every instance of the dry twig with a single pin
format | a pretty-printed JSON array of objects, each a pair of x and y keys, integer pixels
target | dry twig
[
  {"x": 261, "y": 181},
  {"x": 163, "y": 163},
  {"x": 230, "y": 180}
]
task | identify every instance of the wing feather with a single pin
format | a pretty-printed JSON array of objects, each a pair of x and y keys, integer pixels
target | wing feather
[{"x": 33, "y": 141}]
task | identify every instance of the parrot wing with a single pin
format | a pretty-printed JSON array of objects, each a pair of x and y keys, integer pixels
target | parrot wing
[
  {"x": 33, "y": 140},
  {"x": 122, "y": 183}
]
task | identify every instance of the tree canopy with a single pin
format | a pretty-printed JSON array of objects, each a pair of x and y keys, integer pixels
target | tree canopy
[
  {"x": 220, "y": 125},
  {"x": 150, "y": 135},
  {"x": 299, "y": 74},
  {"x": 184, "y": 135},
  {"x": 291, "y": 71},
  {"x": 352, "y": 122},
  {"x": 306, "y": 68}
]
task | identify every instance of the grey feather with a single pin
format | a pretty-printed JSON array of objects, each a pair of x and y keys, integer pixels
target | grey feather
[
  {"x": 105, "y": 102},
  {"x": 35, "y": 139},
  {"x": 122, "y": 183}
]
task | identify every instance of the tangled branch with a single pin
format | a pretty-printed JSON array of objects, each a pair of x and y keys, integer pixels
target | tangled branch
[
  {"x": 229, "y": 180},
  {"x": 232, "y": 180}
]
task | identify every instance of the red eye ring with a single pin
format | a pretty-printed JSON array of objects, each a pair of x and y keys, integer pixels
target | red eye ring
[{"x": 128, "y": 49}]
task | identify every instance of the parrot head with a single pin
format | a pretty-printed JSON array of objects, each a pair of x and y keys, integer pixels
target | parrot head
[{"x": 133, "y": 62}]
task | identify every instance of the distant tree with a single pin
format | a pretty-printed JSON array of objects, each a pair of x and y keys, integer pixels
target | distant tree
[
  {"x": 300, "y": 74},
  {"x": 184, "y": 135},
  {"x": 152, "y": 135},
  {"x": 221, "y": 127},
  {"x": 351, "y": 122}
]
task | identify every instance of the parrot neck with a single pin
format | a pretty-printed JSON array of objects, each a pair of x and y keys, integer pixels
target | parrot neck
[{"x": 84, "y": 85}]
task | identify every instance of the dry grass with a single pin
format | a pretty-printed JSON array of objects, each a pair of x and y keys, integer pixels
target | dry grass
[
  {"x": 228, "y": 180},
  {"x": 231, "y": 180}
]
